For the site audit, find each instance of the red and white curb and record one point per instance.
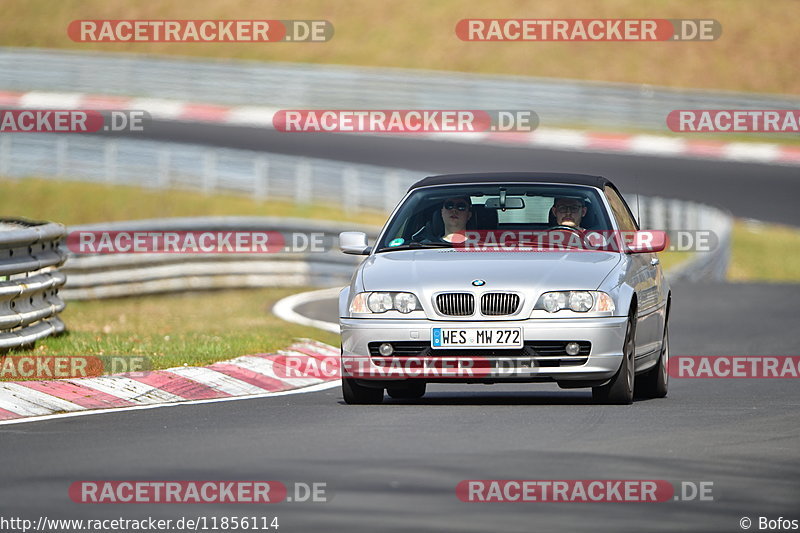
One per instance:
(249, 376)
(559, 139)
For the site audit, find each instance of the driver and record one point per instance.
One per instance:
(569, 212)
(456, 212)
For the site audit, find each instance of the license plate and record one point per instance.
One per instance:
(476, 338)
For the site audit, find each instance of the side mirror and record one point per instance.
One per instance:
(354, 243)
(645, 241)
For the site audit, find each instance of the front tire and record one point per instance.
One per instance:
(355, 394)
(655, 383)
(619, 391)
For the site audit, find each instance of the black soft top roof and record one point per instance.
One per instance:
(512, 177)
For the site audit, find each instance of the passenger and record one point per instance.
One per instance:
(456, 212)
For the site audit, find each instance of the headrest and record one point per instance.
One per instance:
(482, 218)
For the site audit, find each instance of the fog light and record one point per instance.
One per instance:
(385, 349)
(573, 348)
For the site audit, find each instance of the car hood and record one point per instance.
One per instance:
(427, 271)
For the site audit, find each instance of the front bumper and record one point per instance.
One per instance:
(606, 335)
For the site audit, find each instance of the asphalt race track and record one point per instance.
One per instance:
(394, 467)
(748, 190)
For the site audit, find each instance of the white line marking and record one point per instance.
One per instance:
(314, 388)
(160, 109)
(251, 116)
(45, 100)
(751, 151)
(559, 138)
(285, 308)
(653, 144)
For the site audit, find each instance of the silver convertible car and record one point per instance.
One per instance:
(488, 278)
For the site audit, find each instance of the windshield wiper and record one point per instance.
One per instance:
(417, 246)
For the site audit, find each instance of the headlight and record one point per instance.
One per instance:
(380, 302)
(580, 301)
(577, 301)
(405, 302)
(554, 301)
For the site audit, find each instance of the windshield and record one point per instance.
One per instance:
(431, 215)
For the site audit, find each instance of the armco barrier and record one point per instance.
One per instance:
(676, 215)
(111, 275)
(161, 165)
(294, 85)
(29, 281)
(124, 274)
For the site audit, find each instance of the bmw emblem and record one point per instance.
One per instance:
(478, 282)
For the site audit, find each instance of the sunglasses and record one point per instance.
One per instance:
(461, 206)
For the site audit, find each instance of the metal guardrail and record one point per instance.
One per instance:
(291, 85)
(113, 275)
(93, 276)
(29, 281)
(173, 165)
(676, 215)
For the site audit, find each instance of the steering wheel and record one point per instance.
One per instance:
(572, 229)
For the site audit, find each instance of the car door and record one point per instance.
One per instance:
(646, 280)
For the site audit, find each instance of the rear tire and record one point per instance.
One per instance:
(355, 394)
(412, 390)
(619, 391)
(655, 383)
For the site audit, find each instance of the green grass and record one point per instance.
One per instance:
(672, 259)
(765, 252)
(755, 52)
(172, 330)
(73, 203)
(175, 329)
